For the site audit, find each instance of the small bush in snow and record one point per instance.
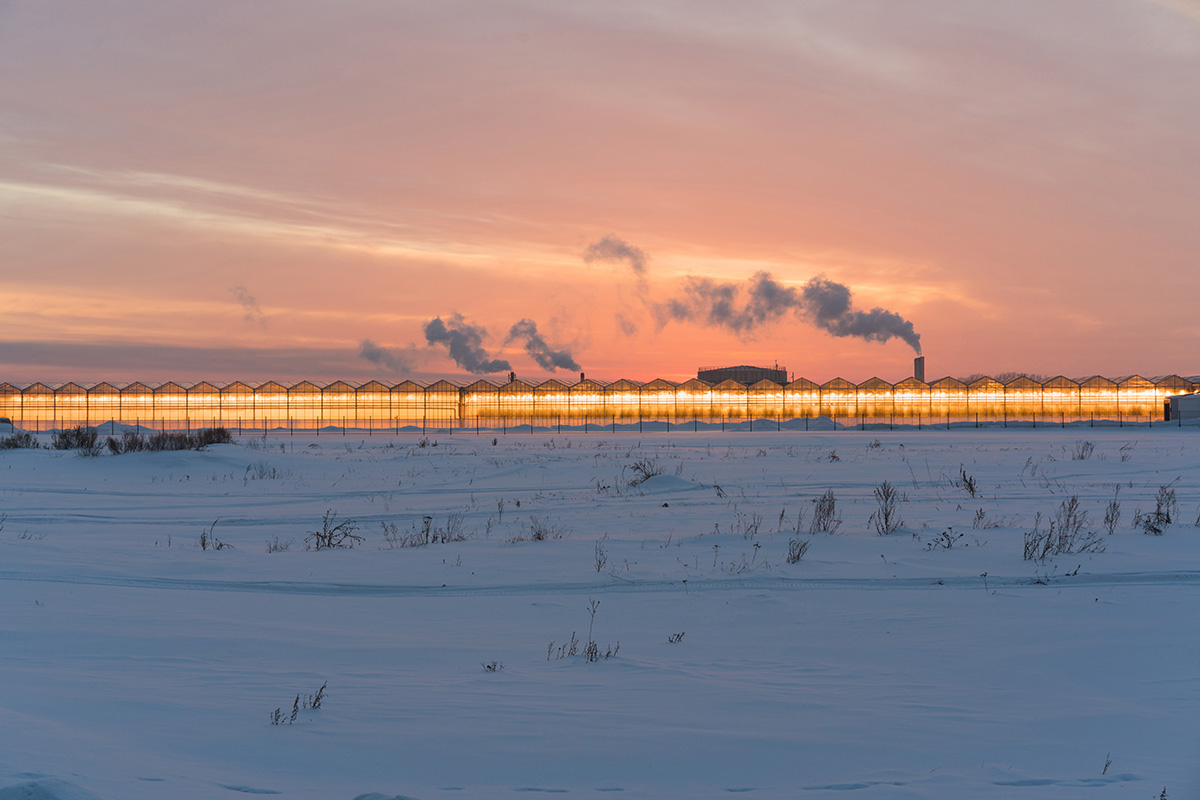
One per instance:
(540, 529)
(825, 517)
(19, 441)
(1067, 533)
(1112, 512)
(965, 482)
(643, 470)
(1082, 450)
(886, 517)
(453, 531)
(312, 701)
(78, 438)
(277, 545)
(796, 549)
(333, 534)
(208, 541)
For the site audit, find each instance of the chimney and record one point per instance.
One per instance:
(919, 368)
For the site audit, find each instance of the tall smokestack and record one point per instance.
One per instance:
(919, 368)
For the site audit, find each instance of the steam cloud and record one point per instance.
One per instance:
(465, 343)
(253, 314)
(536, 347)
(821, 302)
(391, 358)
(610, 248)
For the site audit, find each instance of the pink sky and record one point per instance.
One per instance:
(251, 191)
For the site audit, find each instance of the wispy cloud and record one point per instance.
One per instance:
(253, 313)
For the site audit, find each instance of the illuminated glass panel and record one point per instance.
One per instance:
(373, 401)
(1138, 397)
(1098, 397)
(237, 404)
(304, 405)
(839, 398)
(912, 399)
(588, 402)
(1023, 398)
(948, 399)
(271, 405)
(764, 399)
(10, 403)
(801, 398)
(408, 404)
(70, 405)
(551, 401)
(623, 399)
(441, 404)
(875, 399)
(985, 399)
(693, 400)
(729, 400)
(204, 405)
(1061, 399)
(657, 399)
(170, 406)
(480, 403)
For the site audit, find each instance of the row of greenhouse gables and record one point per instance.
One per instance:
(483, 405)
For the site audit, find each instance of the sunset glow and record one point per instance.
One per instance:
(297, 191)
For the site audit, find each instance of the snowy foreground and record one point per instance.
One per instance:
(134, 664)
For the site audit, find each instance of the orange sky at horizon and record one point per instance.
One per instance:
(287, 191)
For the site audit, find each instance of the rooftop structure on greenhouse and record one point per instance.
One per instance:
(743, 374)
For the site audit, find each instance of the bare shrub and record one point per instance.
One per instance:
(825, 517)
(136, 442)
(453, 531)
(965, 482)
(886, 517)
(302, 702)
(982, 522)
(747, 526)
(676, 638)
(643, 470)
(277, 545)
(796, 549)
(540, 529)
(208, 541)
(1066, 534)
(19, 441)
(84, 440)
(129, 442)
(1082, 450)
(944, 540)
(591, 650)
(1166, 509)
(1112, 512)
(601, 557)
(333, 534)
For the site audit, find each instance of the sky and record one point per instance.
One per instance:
(370, 189)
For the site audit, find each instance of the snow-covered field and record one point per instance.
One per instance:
(934, 662)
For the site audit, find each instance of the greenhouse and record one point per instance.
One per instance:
(444, 405)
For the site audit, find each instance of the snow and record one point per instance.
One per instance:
(136, 665)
